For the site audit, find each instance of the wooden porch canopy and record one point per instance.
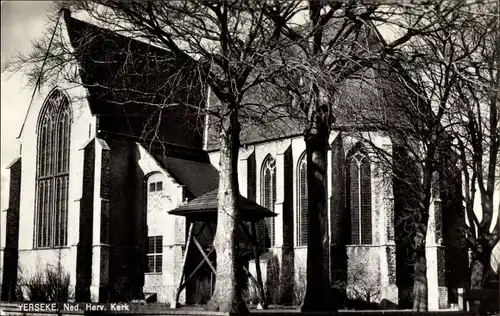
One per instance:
(204, 209)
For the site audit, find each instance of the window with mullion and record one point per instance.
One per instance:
(61, 143)
(155, 254)
(365, 202)
(354, 199)
(359, 198)
(269, 195)
(302, 219)
(53, 172)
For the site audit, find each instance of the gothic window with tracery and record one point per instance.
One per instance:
(302, 202)
(268, 196)
(52, 180)
(358, 176)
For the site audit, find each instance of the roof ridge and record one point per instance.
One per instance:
(68, 17)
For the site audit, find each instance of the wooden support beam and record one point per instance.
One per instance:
(175, 304)
(205, 257)
(196, 269)
(247, 233)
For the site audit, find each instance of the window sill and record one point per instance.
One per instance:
(153, 273)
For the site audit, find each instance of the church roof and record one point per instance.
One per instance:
(188, 167)
(373, 102)
(130, 81)
(191, 167)
(372, 98)
(136, 88)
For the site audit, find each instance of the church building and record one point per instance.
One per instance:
(99, 170)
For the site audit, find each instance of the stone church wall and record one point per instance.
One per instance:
(374, 260)
(82, 129)
(122, 168)
(9, 241)
(172, 228)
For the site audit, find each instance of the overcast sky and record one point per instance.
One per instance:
(21, 22)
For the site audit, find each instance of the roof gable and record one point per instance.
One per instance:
(190, 167)
(135, 88)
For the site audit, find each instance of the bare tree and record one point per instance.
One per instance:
(452, 74)
(335, 44)
(475, 125)
(227, 42)
(460, 80)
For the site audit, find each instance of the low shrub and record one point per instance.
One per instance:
(49, 285)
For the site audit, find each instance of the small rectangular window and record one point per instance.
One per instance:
(159, 244)
(155, 249)
(158, 263)
(159, 186)
(151, 245)
(152, 187)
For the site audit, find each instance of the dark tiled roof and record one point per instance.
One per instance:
(368, 99)
(198, 177)
(189, 166)
(130, 82)
(373, 101)
(205, 208)
(257, 122)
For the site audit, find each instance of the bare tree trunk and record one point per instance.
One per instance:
(482, 251)
(317, 295)
(256, 252)
(227, 296)
(339, 227)
(479, 268)
(420, 302)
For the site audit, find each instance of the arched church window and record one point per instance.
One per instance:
(268, 196)
(302, 202)
(359, 196)
(52, 180)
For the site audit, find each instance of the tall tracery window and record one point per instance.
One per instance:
(302, 202)
(359, 196)
(54, 127)
(268, 196)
